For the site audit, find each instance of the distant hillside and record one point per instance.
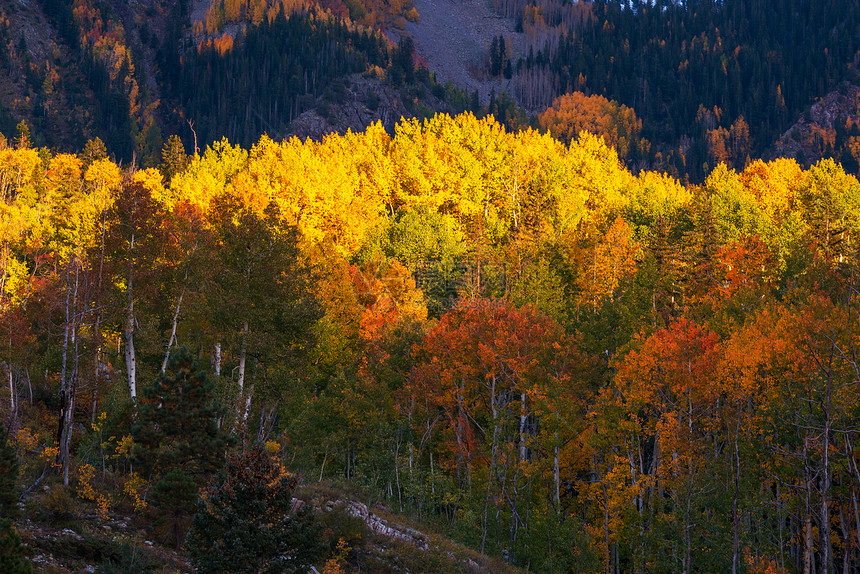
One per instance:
(830, 128)
(133, 73)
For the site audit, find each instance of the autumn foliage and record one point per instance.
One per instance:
(517, 338)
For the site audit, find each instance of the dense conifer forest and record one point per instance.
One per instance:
(712, 81)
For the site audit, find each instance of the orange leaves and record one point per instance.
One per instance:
(575, 112)
(483, 358)
(387, 292)
(672, 368)
(603, 264)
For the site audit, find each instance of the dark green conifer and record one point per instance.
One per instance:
(246, 523)
(177, 425)
(12, 559)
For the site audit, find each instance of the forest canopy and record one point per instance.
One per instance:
(514, 337)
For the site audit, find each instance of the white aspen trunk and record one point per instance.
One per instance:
(172, 340)
(433, 478)
(217, 359)
(13, 404)
(458, 431)
(128, 333)
(736, 463)
(243, 355)
(130, 357)
(606, 543)
(523, 420)
(97, 353)
(241, 409)
(97, 334)
(67, 391)
(246, 411)
(64, 391)
(856, 515)
(397, 474)
(556, 474)
(495, 410)
(809, 548)
(827, 555)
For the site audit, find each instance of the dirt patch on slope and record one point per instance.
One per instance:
(454, 37)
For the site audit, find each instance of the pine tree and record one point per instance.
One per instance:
(246, 523)
(177, 426)
(173, 157)
(12, 559)
(94, 150)
(175, 497)
(8, 476)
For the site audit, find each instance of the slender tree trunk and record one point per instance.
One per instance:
(13, 403)
(736, 461)
(826, 547)
(458, 432)
(246, 409)
(606, 542)
(397, 473)
(807, 520)
(243, 356)
(523, 420)
(846, 541)
(67, 386)
(97, 334)
(556, 475)
(130, 357)
(243, 359)
(688, 544)
(172, 339)
(216, 359)
(494, 407)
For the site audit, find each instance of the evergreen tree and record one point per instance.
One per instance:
(173, 157)
(12, 559)
(93, 150)
(177, 426)
(8, 476)
(246, 522)
(175, 497)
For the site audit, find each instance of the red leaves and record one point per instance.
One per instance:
(672, 363)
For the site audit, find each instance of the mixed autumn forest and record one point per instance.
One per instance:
(589, 334)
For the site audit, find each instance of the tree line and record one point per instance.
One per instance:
(512, 337)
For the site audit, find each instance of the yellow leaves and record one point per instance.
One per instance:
(105, 176)
(86, 472)
(15, 281)
(49, 455)
(134, 487)
(153, 181)
(99, 423)
(124, 446)
(656, 195)
(19, 169)
(595, 183)
(604, 263)
(87, 491)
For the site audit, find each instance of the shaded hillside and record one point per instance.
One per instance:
(830, 128)
(692, 70)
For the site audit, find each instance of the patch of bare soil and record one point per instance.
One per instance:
(454, 37)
